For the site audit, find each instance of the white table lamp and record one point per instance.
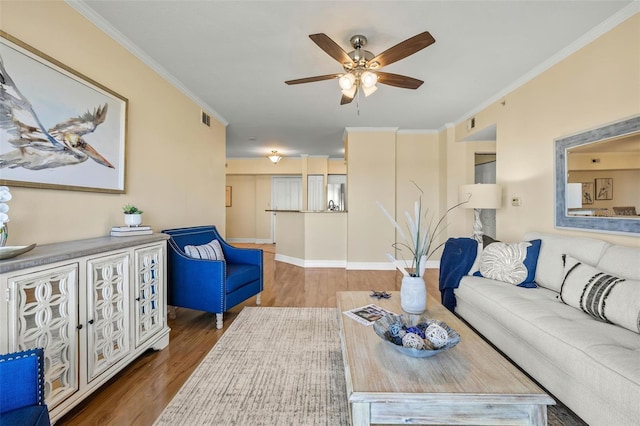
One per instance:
(480, 196)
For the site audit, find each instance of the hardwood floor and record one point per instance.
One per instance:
(138, 394)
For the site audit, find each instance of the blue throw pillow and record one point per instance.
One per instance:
(513, 263)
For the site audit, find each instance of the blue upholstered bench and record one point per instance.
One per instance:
(210, 285)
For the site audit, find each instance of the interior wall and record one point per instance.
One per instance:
(598, 84)
(371, 167)
(174, 165)
(241, 216)
(418, 158)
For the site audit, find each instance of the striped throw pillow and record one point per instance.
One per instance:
(210, 251)
(603, 296)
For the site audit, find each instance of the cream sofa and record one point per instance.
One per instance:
(593, 367)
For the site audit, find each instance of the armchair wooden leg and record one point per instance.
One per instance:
(258, 298)
(218, 321)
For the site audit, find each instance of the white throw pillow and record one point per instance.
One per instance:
(513, 263)
(210, 251)
(603, 296)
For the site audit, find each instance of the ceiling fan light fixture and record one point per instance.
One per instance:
(347, 81)
(368, 79)
(274, 157)
(369, 90)
(350, 93)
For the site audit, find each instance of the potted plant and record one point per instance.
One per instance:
(419, 243)
(132, 215)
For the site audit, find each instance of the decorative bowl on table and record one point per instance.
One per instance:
(8, 252)
(418, 338)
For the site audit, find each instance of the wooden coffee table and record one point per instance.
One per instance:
(469, 384)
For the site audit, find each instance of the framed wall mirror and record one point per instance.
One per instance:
(604, 165)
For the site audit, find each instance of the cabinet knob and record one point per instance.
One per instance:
(79, 327)
(137, 299)
(90, 321)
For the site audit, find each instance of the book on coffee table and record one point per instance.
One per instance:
(367, 315)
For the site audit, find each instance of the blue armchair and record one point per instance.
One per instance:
(211, 285)
(22, 389)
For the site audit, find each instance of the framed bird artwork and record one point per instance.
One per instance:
(58, 128)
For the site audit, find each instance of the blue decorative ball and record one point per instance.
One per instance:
(394, 329)
(416, 330)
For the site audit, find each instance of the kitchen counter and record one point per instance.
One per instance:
(311, 239)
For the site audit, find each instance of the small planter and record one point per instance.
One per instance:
(133, 219)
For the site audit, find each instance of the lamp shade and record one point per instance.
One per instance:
(481, 196)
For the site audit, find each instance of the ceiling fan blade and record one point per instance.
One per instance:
(397, 80)
(312, 79)
(331, 48)
(404, 49)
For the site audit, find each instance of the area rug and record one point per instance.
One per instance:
(277, 366)
(273, 366)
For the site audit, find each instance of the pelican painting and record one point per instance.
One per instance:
(37, 148)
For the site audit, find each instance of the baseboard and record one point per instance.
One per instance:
(310, 263)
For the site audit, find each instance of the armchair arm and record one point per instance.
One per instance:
(233, 254)
(21, 380)
(195, 283)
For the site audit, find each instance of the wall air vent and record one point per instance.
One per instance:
(206, 119)
(471, 124)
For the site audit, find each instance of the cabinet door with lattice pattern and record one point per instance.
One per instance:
(108, 317)
(43, 313)
(149, 292)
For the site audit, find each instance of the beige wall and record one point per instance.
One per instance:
(174, 164)
(371, 170)
(597, 85)
(418, 158)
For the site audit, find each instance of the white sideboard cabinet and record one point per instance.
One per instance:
(94, 306)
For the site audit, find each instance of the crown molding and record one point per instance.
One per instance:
(82, 8)
(371, 129)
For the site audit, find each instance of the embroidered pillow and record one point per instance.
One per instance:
(603, 296)
(513, 263)
(209, 251)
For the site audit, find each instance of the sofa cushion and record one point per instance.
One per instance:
(513, 263)
(210, 251)
(621, 261)
(550, 268)
(603, 296)
(240, 274)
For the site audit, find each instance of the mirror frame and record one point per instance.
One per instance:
(595, 224)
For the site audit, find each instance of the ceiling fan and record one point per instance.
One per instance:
(361, 66)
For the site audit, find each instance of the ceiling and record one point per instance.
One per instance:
(232, 57)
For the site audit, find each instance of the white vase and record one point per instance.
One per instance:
(413, 295)
(133, 219)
